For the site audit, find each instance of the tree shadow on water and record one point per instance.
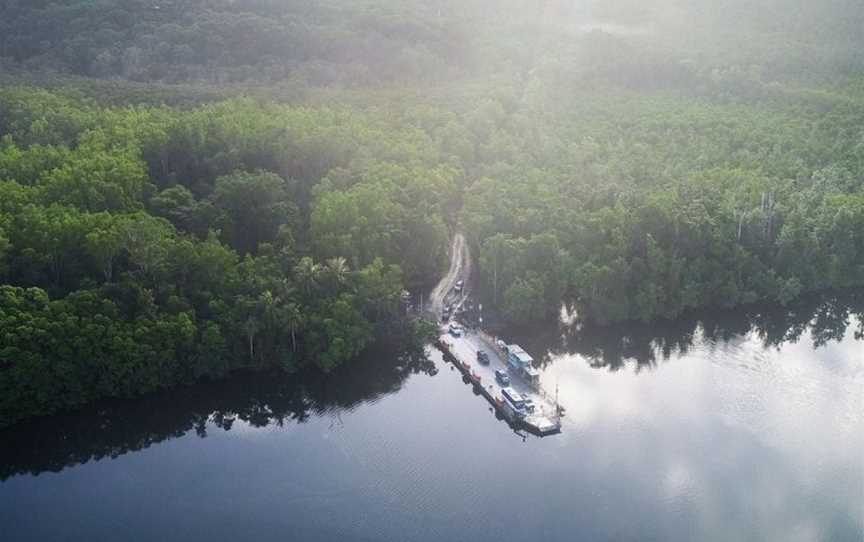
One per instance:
(111, 428)
(828, 317)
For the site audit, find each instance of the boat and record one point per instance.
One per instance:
(509, 382)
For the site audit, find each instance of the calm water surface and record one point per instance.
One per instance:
(737, 426)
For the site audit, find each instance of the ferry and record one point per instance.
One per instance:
(504, 374)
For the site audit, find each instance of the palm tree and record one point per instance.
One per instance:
(251, 327)
(307, 273)
(285, 290)
(337, 270)
(270, 305)
(294, 318)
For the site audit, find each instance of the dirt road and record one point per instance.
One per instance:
(460, 269)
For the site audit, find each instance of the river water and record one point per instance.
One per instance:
(747, 425)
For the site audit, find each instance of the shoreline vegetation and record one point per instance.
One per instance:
(111, 428)
(176, 203)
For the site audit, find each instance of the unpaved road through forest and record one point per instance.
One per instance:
(460, 269)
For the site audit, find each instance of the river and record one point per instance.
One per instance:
(742, 425)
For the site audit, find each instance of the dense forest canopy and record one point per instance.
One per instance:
(351, 43)
(633, 159)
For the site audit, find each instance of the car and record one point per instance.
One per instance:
(456, 329)
(502, 377)
(482, 357)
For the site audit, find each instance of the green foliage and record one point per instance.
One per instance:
(628, 170)
(222, 41)
(217, 270)
(62, 353)
(687, 205)
(737, 45)
(390, 211)
(254, 206)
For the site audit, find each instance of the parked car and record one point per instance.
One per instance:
(502, 377)
(482, 357)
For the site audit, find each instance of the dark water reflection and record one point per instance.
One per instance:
(112, 428)
(735, 425)
(824, 318)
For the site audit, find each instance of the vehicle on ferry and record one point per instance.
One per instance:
(514, 400)
(522, 364)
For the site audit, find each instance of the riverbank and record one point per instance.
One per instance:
(711, 429)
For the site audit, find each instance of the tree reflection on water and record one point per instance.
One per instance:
(827, 317)
(113, 428)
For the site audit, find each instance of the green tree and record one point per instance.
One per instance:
(104, 245)
(255, 206)
(307, 274)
